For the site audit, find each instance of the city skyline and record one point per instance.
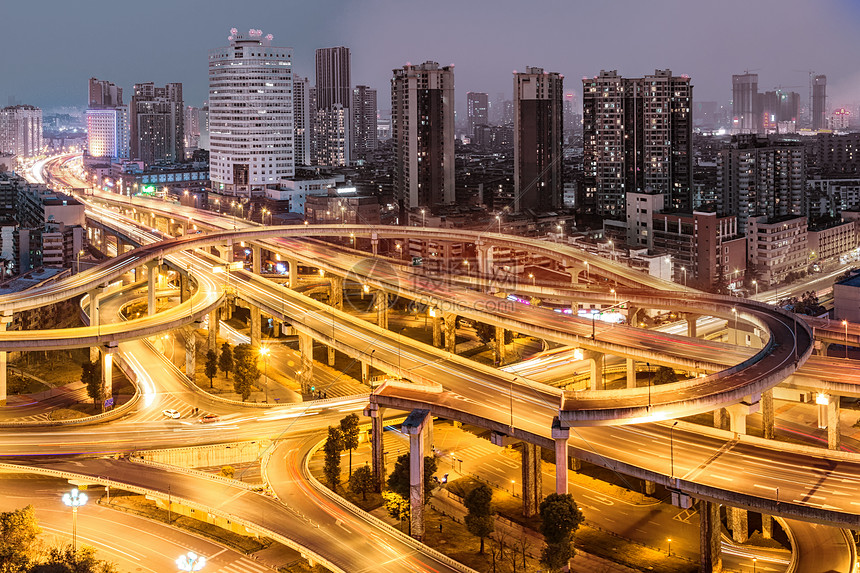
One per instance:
(474, 38)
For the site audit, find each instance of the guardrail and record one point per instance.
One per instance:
(194, 473)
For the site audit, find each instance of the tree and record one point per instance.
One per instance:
(225, 361)
(560, 518)
(361, 481)
(91, 376)
(665, 375)
(64, 560)
(333, 447)
(398, 481)
(245, 367)
(396, 506)
(350, 428)
(227, 472)
(479, 519)
(18, 533)
(211, 368)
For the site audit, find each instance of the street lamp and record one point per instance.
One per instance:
(532, 277)
(81, 252)
(399, 248)
(74, 499)
(754, 560)
(422, 217)
(499, 220)
(735, 312)
(615, 294)
(845, 324)
(685, 276)
(612, 246)
(669, 540)
(672, 451)
(264, 352)
(755, 283)
(466, 263)
(190, 562)
(586, 270)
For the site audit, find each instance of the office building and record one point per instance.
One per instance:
(107, 121)
(250, 114)
(758, 177)
(333, 120)
(191, 127)
(637, 137)
(302, 127)
(477, 109)
(156, 123)
(363, 121)
(819, 102)
(21, 130)
(538, 138)
(745, 103)
(422, 127)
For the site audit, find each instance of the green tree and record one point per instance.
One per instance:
(225, 361)
(560, 518)
(349, 426)
(18, 534)
(64, 560)
(245, 367)
(227, 472)
(398, 481)
(91, 376)
(479, 519)
(332, 448)
(665, 375)
(361, 481)
(396, 506)
(211, 368)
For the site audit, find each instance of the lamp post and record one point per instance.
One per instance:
(735, 312)
(264, 352)
(190, 562)
(612, 246)
(669, 540)
(422, 217)
(74, 499)
(81, 252)
(754, 560)
(499, 221)
(586, 270)
(685, 276)
(615, 294)
(845, 324)
(672, 451)
(399, 248)
(755, 284)
(532, 277)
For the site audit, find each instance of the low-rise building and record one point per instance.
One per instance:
(342, 205)
(832, 240)
(777, 247)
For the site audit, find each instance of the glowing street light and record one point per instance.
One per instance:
(190, 562)
(755, 283)
(615, 294)
(422, 218)
(845, 324)
(75, 499)
(532, 277)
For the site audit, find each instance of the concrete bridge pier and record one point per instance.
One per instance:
(5, 321)
(822, 347)
(767, 526)
(828, 417)
(190, 351)
(256, 259)
(631, 373)
(306, 351)
(365, 372)
(437, 328)
(336, 296)
(738, 416)
(380, 303)
(107, 352)
(532, 479)
(374, 245)
(449, 323)
(256, 325)
(94, 300)
(768, 414)
(214, 326)
(330, 357)
(376, 413)
(499, 345)
(561, 437)
(184, 287)
(151, 286)
(595, 361)
(633, 315)
(691, 325)
(294, 273)
(710, 549)
(484, 254)
(738, 522)
(415, 426)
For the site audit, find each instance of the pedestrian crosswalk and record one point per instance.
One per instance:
(244, 565)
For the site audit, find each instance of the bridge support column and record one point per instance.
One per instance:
(531, 479)
(107, 370)
(561, 437)
(294, 273)
(374, 246)
(376, 413)
(691, 325)
(151, 286)
(256, 259)
(380, 302)
(365, 372)
(306, 351)
(500, 345)
(822, 347)
(94, 299)
(711, 560)
(828, 416)
(631, 373)
(256, 320)
(190, 351)
(415, 426)
(214, 326)
(450, 329)
(738, 416)
(5, 321)
(721, 421)
(633, 316)
(767, 526)
(574, 274)
(336, 296)
(738, 523)
(184, 287)
(595, 361)
(768, 414)
(574, 464)
(330, 356)
(650, 487)
(484, 254)
(437, 329)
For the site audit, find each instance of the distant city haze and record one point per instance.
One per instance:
(52, 47)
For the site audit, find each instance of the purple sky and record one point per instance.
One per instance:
(53, 46)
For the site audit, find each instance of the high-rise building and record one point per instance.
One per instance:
(191, 125)
(758, 177)
(302, 128)
(363, 121)
(779, 111)
(819, 102)
(637, 136)
(21, 130)
(250, 114)
(333, 119)
(156, 123)
(107, 121)
(477, 109)
(569, 115)
(422, 126)
(204, 125)
(538, 138)
(745, 109)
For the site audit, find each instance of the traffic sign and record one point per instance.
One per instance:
(417, 261)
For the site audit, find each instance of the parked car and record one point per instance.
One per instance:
(170, 413)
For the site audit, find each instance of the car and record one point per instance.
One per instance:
(171, 413)
(209, 418)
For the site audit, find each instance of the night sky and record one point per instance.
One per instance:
(51, 47)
